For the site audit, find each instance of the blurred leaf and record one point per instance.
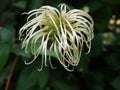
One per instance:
(83, 65)
(11, 19)
(4, 75)
(21, 52)
(6, 35)
(4, 54)
(116, 83)
(108, 38)
(20, 4)
(63, 84)
(31, 77)
(42, 78)
(51, 53)
(62, 80)
(35, 4)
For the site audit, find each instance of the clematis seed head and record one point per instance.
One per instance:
(62, 30)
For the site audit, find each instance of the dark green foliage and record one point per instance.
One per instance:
(30, 78)
(98, 70)
(4, 54)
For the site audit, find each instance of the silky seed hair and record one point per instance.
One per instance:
(62, 30)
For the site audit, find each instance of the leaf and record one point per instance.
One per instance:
(83, 65)
(11, 19)
(61, 80)
(116, 83)
(6, 35)
(43, 78)
(21, 52)
(49, 52)
(64, 85)
(20, 4)
(4, 54)
(30, 77)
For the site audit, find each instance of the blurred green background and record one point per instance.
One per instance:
(98, 70)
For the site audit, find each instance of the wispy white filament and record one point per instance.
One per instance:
(63, 31)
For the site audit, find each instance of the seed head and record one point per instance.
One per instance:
(62, 30)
